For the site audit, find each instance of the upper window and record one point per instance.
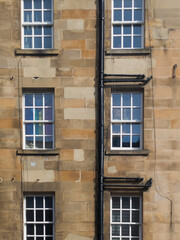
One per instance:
(127, 24)
(39, 217)
(38, 120)
(126, 121)
(37, 24)
(126, 218)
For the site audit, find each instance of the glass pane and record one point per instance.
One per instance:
(134, 230)
(116, 99)
(117, 114)
(37, 30)
(137, 15)
(115, 128)
(49, 229)
(30, 229)
(39, 229)
(48, 129)
(39, 142)
(126, 99)
(47, 42)
(126, 141)
(48, 202)
(30, 215)
(38, 114)
(136, 141)
(116, 42)
(116, 216)
(135, 216)
(126, 128)
(127, 15)
(28, 99)
(137, 114)
(27, 4)
(30, 238)
(38, 100)
(125, 216)
(39, 215)
(39, 238)
(137, 42)
(125, 230)
(115, 230)
(27, 30)
(116, 141)
(29, 142)
(29, 202)
(125, 202)
(47, 16)
(127, 29)
(28, 16)
(29, 114)
(49, 215)
(115, 238)
(29, 129)
(135, 202)
(37, 42)
(27, 42)
(138, 3)
(126, 114)
(117, 3)
(39, 129)
(136, 128)
(117, 15)
(48, 114)
(127, 42)
(47, 4)
(126, 238)
(39, 202)
(127, 3)
(48, 142)
(136, 99)
(48, 99)
(117, 30)
(137, 29)
(37, 4)
(49, 238)
(116, 202)
(47, 30)
(37, 16)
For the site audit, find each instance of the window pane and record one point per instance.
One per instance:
(27, 30)
(27, 4)
(117, 30)
(28, 16)
(30, 229)
(30, 215)
(49, 238)
(116, 202)
(49, 215)
(38, 100)
(135, 216)
(125, 216)
(27, 42)
(47, 42)
(137, 15)
(126, 99)
(116, 141)
(47, 16)
(39, 215)
(127, 29)
(138, 3)
(125, 202)
(116, 99)
(48, 142)
(39, 129)
(116, 216)
(115, 128)
(115, 230)
(29, 202)
(37, 30)
(30, 238)
(126, 114)
(136, 141)
(39, 202)
(39, 229)
(29, 142)
(29, 114)
(47, 30)
(29, 129)
(116, 42)
(137, 114)
(37, 4)
(127, 15)
(48, 202)
(37, 42)
(136, 99)
(125, 230)
(134, 230)
(28, 100)
(48, 99)
(126, 141)
(48, 114)
(37, 16)
(127, 42)
(47, 4)
(126, 128)
(137, 42)
(38, 114)
(48, 129)
(117, 15)
(127, 3)
(136, 128)
(135, 202)
(137, 29)
(117, 3)
(39, 142)
(39, 238)
(117, 114)
(49, 229)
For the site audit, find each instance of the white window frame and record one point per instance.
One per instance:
(38, 121)
(123, 23)
(38, 222)
(34, 24)
(131, 122)
(130, 223)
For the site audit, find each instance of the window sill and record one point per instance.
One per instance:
(124, 52)
(144, 152)
(33, 52)
(37, 152)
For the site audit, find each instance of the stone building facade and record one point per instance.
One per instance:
(49, 120)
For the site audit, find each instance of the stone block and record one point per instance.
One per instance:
(70, 176)
(71, 103)
(73, 44)
(39, 72)
(78, 133)
(79, 113)
(67, 154)
(79, 92)
(75, 24)
(79, 155)
(78, 14)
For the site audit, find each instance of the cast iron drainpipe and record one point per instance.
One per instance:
(101, 118)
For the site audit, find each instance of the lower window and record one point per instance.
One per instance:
(39, 217)
(126, 218)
